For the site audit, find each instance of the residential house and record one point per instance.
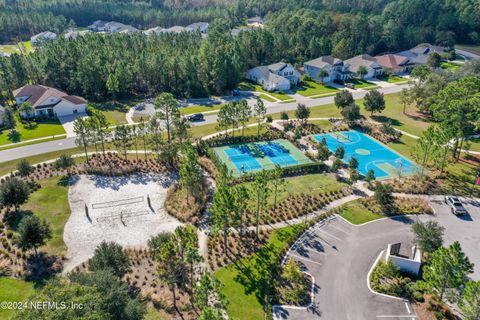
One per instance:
(336, 69)
(43, 37)
(256, 22)
(177, 29)
(419, 54)
(47, 101)
(367, 61)
(2, 114)
(396, 63)
(98, 26)
(127, 29)
(155, 30)
(278, 76)
(200, 26)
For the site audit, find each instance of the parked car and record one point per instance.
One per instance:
(149, 100)
(235, 92)
(140, 106)
(350, 85)
(195, 117)
(455, 205)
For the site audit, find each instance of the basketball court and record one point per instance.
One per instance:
(370, 153)
(127, 210)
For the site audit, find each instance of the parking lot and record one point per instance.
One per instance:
(465, 228)
(340, 256)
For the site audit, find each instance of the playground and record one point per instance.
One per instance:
(251, 157)
(127, 210)
(371, 154)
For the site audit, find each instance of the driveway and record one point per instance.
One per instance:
(465, 229)
(67, 123)
(340, 256)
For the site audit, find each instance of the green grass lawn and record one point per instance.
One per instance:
(245, 279)
(249, 86)
(309, 184)
(361, 84)
(268, 98)
(50, 202)
(475, 144)
(449, 66)
(393, 112)
(355, 213)
(115, 117)
(322, 124)
(199, 109)
(313, 88)
(25, 46)
(393, 78)
(43, 129)
(13, 290)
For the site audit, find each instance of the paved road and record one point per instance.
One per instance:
(44, 147)
(340, 256)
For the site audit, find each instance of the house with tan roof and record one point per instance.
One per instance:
(397, 63)
(336, 69)
(278, 76)
(49, 102)
(367, 61)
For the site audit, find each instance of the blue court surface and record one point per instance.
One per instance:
(255, 156)
(371, 154)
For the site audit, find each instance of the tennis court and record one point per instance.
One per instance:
(371, 154)
(251, 157)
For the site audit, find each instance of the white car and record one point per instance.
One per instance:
(455, 205)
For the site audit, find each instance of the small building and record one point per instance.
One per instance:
(278, 76)
(200, 26)
(43, 37)
(367, 61)
(256, 22)
(49, 102)
(396, 63)
(336, 69)
(406, 263)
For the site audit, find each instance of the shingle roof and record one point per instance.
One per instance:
(38, 93)
(275, 67)
(197, 25)
(365, 60)
(392, 61)
(323, 62)
(256, 19)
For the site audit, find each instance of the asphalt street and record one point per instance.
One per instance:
(62, 144)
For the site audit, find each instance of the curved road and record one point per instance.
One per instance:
(62, 144)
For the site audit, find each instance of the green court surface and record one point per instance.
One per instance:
(251, 157)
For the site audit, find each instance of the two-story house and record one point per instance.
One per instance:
(278, 76)
(396, 63)
(367, 61)
(336, 69)
(49, 102)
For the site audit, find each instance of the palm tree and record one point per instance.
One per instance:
(322, 74)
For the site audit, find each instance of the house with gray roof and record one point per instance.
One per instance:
(154, 30)
(419, 54)
(278, 76)
(367, 61)
(336, 69)
(200, 26)
(43, 37)
(256, 22)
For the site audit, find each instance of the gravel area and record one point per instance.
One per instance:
(118, 211)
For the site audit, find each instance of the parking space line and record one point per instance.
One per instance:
(331, 236)
(305, 259)
(336, 228)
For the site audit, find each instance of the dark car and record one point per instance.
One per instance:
(195, 117)
(235, 92)
(456, 206)
(350, 85)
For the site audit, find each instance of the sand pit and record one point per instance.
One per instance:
(118, 210)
